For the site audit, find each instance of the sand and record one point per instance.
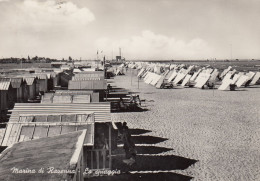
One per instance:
(218, 131)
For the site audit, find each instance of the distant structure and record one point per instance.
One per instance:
(120, 58)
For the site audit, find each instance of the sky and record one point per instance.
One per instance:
(143, 29)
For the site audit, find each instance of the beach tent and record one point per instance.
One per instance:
(181, 74)
(169, 74)
(149, 78)
(250, 76)
(235, 78)
(141, 72)
(160, 81)
(172, 66)
(202, 80)
(119, 72)
(225, 72)
(194, 76)
(146, 72)
(225, 84)
(186, 80)
(209, 70)
(157, 69)
(227, 77)
(214, 75)
(156, 79)
(255, 78)
(200, 75)
(153, 78)
(173, 75)
(242, 80)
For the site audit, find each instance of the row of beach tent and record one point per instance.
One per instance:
(194, 76)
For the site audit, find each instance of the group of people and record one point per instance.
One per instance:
(133, 104)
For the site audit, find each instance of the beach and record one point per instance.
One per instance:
(214, 134)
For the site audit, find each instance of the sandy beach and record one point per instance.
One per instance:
(214, 134)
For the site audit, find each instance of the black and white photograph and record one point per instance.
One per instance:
(129, 90)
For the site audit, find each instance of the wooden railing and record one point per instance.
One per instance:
(98, 159)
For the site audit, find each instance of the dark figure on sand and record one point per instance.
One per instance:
(129, 146)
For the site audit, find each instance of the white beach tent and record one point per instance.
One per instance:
(235, 78)
(155, 79)
(149, 78)
(141, 72)
(255, 78)
(194, 76)
(250, 75)
(181, 74)
(146, 75)
(225, 85)
(209, 70)
(173, 75)
(213, 75)
(172, 66)
(202, 80)
(225, 71)
(242, 79)
(200, 75)
(146, 72)
(157, 69)
(227, 77)
(159, 83)
(186, 80)
(169, 74)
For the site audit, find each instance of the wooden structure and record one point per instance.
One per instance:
(34, 126)
(31, 156)
(97, 157)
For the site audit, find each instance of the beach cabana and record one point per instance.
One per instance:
(33, 126)
(61, 99)
(94, 96)
(102, 114)
(62, 153)
(4, 87)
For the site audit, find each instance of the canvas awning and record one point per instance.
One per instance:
(16, 82)
(29, 80)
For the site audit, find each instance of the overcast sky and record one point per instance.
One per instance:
(144, 29)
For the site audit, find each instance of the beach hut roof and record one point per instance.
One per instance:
(60, 152)
(4, 83)
(34, 126)
(61, 99)
(101, 110)
(88, 85)
(73, 92)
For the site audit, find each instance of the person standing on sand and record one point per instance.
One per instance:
(129, 146)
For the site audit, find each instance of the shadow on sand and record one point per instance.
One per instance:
(153, 163)
(147, 139)
(144, 177)
(138, 131)
(145, 150)
(130, 110)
